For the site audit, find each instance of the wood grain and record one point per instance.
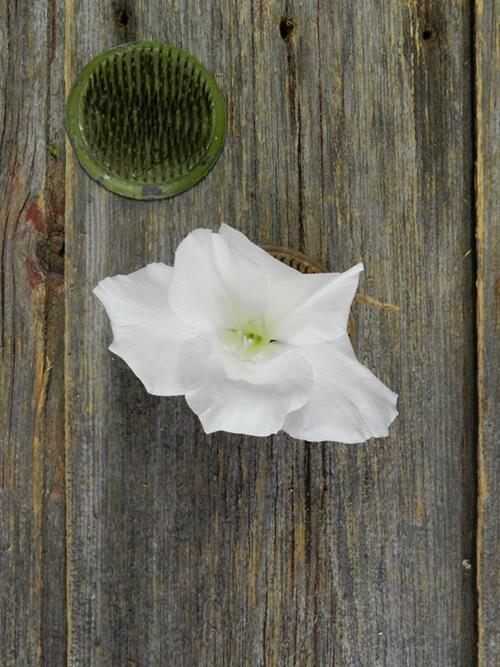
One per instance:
(32, 507)
(353, 129)
(349, 138)
(487, 56)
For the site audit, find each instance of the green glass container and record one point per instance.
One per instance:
(146, 120)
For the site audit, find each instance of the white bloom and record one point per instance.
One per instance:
(254, 345)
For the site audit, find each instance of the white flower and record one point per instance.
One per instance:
(254, 345)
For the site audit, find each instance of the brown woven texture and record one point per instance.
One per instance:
(295, 259)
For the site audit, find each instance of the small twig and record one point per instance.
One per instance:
(391, 307)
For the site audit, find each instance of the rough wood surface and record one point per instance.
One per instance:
(487, 57)
(349, 138)
(136, 540)
(32, 508)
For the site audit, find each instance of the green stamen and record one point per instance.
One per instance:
(245, 343)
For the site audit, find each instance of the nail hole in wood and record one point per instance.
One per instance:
(427, 34)
(123, 18)
(287, 27)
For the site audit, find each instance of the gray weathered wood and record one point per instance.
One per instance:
(350, 139)
(32, 508)
(188, 550)
(488, 329)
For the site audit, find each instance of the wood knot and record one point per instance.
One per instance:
(123, 18)
(122, 15)
(287, 28)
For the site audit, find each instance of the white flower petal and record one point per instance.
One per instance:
(274, 267)
(302, 308)
(312, 308)
(252, 398)
(348, 402)
(146, 333)
(213, 286)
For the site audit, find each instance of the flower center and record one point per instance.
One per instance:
(246, 343)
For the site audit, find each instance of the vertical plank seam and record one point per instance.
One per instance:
(478, 246)
(68, 208)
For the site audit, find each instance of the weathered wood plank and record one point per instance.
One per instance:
(488, 290)
(32, 508)
(349, 138)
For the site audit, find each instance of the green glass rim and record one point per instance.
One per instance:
(75, 127)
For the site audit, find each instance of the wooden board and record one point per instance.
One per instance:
(32, 507)
(136, 540)
(348, 141)
(487, 89)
